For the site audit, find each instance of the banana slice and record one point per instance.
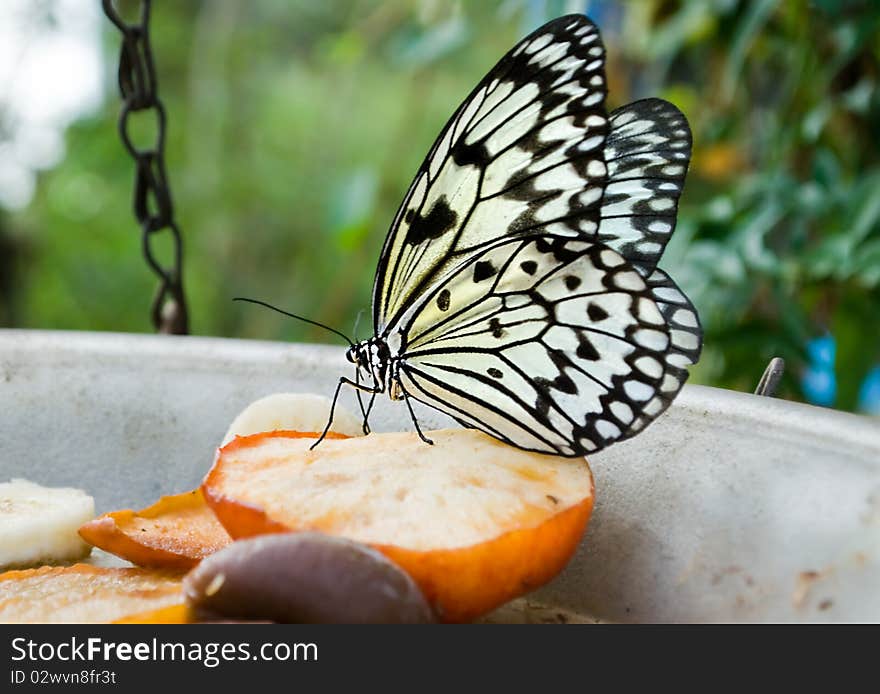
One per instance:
(39, 524)
(294, 411)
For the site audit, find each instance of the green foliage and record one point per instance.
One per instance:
(295, 129)
(782, 211)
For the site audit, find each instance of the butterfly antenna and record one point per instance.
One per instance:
(293, 315)
(357, 322)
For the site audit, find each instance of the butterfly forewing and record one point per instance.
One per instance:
(522, 155)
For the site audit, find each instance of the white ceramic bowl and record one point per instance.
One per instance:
(731, 507)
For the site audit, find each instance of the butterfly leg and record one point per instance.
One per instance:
(416, 421)
(365, 412)
(342, 381)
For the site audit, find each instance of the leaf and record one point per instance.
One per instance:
(756, 16)
(857, 331)
(352, 207)
(415, 48)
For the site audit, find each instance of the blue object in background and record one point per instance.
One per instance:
(869, 393)
(819, 382)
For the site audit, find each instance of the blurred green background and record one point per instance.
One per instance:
(296, 127)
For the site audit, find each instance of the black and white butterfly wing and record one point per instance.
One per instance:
(646, 155)
(685, 344)
(522, 155)
(553, 344)
(518, 285)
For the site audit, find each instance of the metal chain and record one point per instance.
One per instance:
(153, 206)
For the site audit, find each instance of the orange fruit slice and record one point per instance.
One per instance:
(474, 521)
(84, 594)
(176, 532)
(173, 614)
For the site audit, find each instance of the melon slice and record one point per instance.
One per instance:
(474, 521)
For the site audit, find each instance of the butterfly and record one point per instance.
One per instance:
(518, 288)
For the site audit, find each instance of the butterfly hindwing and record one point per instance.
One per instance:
(646, 155)
(553, 344)
(685, 344)
(522, 155)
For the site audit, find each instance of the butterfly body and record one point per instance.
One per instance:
(376, 358)
(518, 288)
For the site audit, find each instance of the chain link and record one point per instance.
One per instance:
(153, 206)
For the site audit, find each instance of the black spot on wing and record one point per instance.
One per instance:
(562, 382)
(557, 245)
(443, 300)
(470, 155)
(494, 373)
(529, 266)
(572, 282)
(596, 312)
(585, 349)
(483, 270)
(495, 326)
(543, 400)
(439, 220)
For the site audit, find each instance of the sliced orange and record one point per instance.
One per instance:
(84, 594)
(173, 614)
(474, 521)
(176, 532)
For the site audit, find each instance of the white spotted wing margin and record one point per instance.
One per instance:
(553, 344)
(646, 154)
(685, 345)
(522, 155)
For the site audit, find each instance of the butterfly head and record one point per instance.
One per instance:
(373, 357)
(359, 355)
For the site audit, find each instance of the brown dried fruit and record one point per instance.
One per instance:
(305, 578)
